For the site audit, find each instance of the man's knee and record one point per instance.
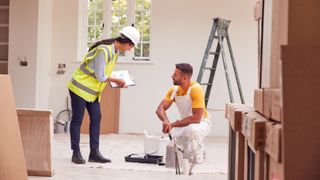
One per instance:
(193, 130)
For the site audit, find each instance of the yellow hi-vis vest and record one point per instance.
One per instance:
(83, 82)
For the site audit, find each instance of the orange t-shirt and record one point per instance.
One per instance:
(196, 95)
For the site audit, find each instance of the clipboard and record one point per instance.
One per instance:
(122, 74)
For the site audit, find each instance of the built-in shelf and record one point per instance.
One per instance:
(4, 25)
(4, 7)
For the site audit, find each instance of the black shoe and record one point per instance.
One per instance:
(95, 156)
(77, 158)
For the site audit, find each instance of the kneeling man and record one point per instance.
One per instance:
(194, 124)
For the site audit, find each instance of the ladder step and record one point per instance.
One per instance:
(217, 37)
(205, 84)
(211, 69)
(214, 53)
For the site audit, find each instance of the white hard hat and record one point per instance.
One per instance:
(131, 33)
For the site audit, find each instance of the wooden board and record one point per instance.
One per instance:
(240, 146)
(301, 125)
(275, 34)
(110, 102)
(37, 133)
(12, 160)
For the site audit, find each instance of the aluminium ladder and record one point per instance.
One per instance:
(219, 31)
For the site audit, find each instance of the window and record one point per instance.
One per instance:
(142, 22)
(106, 17)
(95, 21)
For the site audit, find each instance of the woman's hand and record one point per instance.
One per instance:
(121, 83)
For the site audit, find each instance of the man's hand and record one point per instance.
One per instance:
(166, 126)
(161, 112)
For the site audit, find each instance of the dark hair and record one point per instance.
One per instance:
(122, 39)
(185, 68)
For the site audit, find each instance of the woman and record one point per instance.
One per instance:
(86, 85)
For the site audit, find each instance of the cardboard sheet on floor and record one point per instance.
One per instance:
(12, 160)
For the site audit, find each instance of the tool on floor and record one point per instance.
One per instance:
(219, 31)
(190, 169)
(176, 162)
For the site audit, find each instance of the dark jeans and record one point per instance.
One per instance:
(78, 105)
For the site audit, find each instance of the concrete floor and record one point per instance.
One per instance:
(116, 147)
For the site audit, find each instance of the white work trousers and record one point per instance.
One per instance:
(190, 138)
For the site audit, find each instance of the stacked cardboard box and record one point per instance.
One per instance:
(254, 130)
(273, 149)
(234, 114)
(268, 104)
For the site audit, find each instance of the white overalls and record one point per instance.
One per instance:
(190, 138)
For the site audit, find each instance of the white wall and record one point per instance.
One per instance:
(64, 50)
(44, 54)
(23, 29)
(180, 30)
(30, 39)
(179, 33)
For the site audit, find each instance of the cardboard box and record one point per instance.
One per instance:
(275, 170)
(273, 140)
(254, 129)
(228, 107)
(258, 100)
(301, 99)
(276, 105)
(236, 113)
(267, 102)
(110, 104)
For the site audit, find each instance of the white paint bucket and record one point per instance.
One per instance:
(155, 145)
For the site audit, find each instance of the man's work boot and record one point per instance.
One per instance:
(77, 157)
(95, 156)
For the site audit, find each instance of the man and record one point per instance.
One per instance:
(189, 131)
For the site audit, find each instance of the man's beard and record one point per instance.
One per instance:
(176, 83)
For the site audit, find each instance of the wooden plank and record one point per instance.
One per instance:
(40, 173)
(246, 161)
(37, 133)
(12, 160)
(240, 150)
(259, 159)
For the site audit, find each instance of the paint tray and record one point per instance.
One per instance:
(143, 158)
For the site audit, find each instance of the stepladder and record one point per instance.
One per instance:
(215, 47)
(214, 50)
